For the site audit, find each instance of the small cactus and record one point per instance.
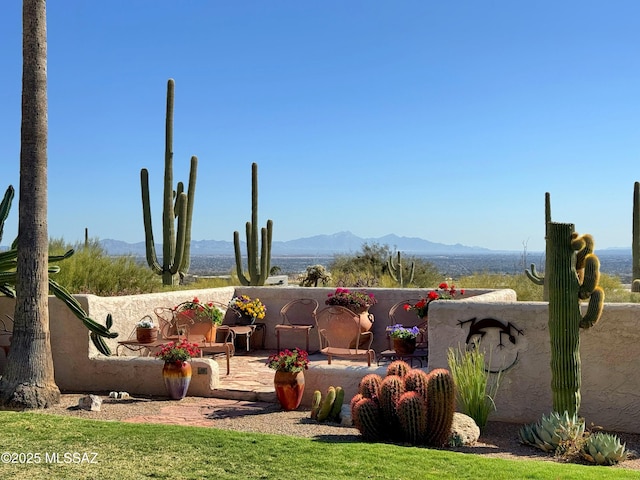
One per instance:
(327, 404)
(441, 401)
(391, 390)
(336, 408)
(315, 404)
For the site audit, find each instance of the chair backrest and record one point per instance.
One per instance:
(408, 318)
(338, 326)
(301, 311)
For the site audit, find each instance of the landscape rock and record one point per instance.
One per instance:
(464, 430)
(92, 403)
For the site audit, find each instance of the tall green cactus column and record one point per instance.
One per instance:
(176, 245)
(635, 243)
(573, 274)
(258, 268)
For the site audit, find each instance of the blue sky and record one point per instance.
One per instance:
(442, 120)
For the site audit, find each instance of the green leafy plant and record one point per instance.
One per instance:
(295, 360)
(476, 388)
(174, 352)
(357, 299)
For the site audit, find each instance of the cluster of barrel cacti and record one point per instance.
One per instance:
(407, 405)
(327, 409)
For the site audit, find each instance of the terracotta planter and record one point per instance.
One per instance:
(289, 388)
(365, 325)
(210, 335)
(177, 376)
(404, 346)
(146, 335)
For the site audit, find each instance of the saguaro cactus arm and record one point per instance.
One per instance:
(533, 275)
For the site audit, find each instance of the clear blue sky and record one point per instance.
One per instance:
(442, 120)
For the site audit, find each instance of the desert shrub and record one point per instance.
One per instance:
(91, 270)
(525, 289)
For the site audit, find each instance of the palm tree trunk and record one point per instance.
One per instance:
(28, 380)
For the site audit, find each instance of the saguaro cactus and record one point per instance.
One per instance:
(533, 275)
(635, 243)
(573, 274)
(258, 270)
(176, 245)
(395, 270)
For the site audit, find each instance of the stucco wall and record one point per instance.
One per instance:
(609, 354)
(609, 351)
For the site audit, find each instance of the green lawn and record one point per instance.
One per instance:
(138, 451)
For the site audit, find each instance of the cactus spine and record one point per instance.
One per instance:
(573, 276)
(635, 243)
(395, 270)
(258, 271)
(176, 244)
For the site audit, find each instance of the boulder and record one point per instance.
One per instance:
(90, 402)
(464, 430)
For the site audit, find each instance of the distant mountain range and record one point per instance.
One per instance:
(341, 242)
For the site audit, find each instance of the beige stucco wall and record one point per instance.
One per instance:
(609, 351)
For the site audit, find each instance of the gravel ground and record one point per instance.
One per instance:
(499, 439)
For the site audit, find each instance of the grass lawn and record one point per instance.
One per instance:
(138, 451)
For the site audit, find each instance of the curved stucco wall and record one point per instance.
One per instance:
(610, 351)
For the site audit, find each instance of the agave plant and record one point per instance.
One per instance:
(8, 263)
(603, 449)
(552, 431)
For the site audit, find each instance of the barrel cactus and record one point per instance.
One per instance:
(415, 407)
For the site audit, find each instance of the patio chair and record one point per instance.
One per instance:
(338, 329)
(408, 318)
(223, 343)
(298, 316)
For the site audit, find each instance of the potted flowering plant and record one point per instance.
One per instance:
(287, 360)
(289, 377)
(251, 309)
(357, 301)
(146, 330)
(177, 370)
(178, 352)
(201, 311)
(404, 338)
(443, 292)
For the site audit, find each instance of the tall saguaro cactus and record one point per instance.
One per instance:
(258, 269)
(573, 275)
(533, 275)
(176, 244)
(395, 270)
(635, 243)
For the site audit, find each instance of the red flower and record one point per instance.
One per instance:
(432, 296)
